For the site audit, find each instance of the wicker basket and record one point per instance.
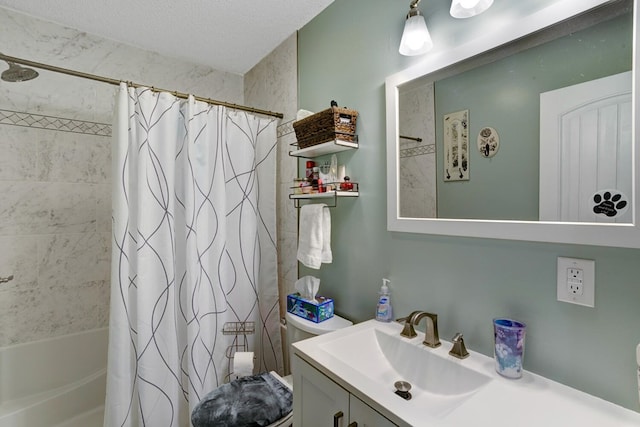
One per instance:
(332, 123)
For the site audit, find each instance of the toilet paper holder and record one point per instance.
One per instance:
(240, 344)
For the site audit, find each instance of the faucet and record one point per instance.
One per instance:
(431, 338)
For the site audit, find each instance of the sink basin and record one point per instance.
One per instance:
(391, 358)
(376, 352)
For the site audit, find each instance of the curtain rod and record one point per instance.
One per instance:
(116, 82)
(412, 138)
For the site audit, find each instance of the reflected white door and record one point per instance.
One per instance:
(585, 151)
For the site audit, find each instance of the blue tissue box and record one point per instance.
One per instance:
(317, 310)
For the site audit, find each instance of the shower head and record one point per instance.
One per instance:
(17, 73)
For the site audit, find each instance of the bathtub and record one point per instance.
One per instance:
(56, 382)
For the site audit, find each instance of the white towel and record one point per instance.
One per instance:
(314, 236)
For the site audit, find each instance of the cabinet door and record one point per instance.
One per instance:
(317, 401)
(362, 415)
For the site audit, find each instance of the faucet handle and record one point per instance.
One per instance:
(408, 331)
(459, 350)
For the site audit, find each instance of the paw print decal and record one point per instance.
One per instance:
(610, 203)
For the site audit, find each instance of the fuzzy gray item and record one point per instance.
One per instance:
(254, 401)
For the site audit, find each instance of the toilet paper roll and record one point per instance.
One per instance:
(242, 364)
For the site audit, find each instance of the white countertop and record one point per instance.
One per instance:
(529, 401)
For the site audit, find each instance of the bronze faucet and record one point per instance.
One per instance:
(431, 337)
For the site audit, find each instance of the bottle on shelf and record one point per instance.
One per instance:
(346, 185)
(309, 171)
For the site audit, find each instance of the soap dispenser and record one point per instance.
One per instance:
(384, 311)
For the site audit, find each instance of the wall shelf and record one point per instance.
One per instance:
(328, 147)
(334, 195)
(334, 146)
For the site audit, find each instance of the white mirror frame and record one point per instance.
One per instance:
(617, 235)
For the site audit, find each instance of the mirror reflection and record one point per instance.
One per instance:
(537, 130)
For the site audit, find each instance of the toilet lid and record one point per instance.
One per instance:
(259, 399)
(329, 325)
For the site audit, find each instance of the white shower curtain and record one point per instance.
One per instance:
(193, 248)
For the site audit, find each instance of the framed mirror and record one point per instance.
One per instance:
(524, 134)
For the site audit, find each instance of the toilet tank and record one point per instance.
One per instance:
(299, 329)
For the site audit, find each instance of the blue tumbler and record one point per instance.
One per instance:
(509, 346)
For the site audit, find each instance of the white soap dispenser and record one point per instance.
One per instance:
(384, 310)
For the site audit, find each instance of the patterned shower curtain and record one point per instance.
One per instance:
(193, 249)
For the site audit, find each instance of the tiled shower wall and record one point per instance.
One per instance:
(54, 232)
(418, 159)
(55, 208)
(272, 85)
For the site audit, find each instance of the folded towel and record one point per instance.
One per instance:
(258, 400)
(303, 114)
(314, 236)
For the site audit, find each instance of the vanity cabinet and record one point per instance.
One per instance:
(365, 416)
(320, 402)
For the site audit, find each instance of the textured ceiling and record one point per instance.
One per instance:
(228, 35)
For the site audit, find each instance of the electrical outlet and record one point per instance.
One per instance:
(576, 281)
(575, 277)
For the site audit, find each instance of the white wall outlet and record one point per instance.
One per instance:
(575, 278)
(576, 281)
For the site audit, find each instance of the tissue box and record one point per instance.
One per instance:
(317, 311)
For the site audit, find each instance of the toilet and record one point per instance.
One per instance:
(297, 329)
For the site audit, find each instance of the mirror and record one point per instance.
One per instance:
(472, 136)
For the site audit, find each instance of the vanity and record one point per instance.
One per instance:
(346, 378)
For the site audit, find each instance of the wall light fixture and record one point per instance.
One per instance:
(416, 39)
(469, 8)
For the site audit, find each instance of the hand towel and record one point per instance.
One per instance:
(314, 235)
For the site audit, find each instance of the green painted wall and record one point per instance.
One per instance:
(345, 54)
(506, 96)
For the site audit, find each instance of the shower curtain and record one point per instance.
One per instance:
(193, 248)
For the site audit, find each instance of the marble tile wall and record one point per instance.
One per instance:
(55, 202)
(417, 159)
(54, 232)
(71, 97)
(272, 85)
(417, 175)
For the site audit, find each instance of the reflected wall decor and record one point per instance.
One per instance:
(456, 146)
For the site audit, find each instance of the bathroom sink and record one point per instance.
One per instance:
(368, 358)
(377, 356)
(391, 358)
